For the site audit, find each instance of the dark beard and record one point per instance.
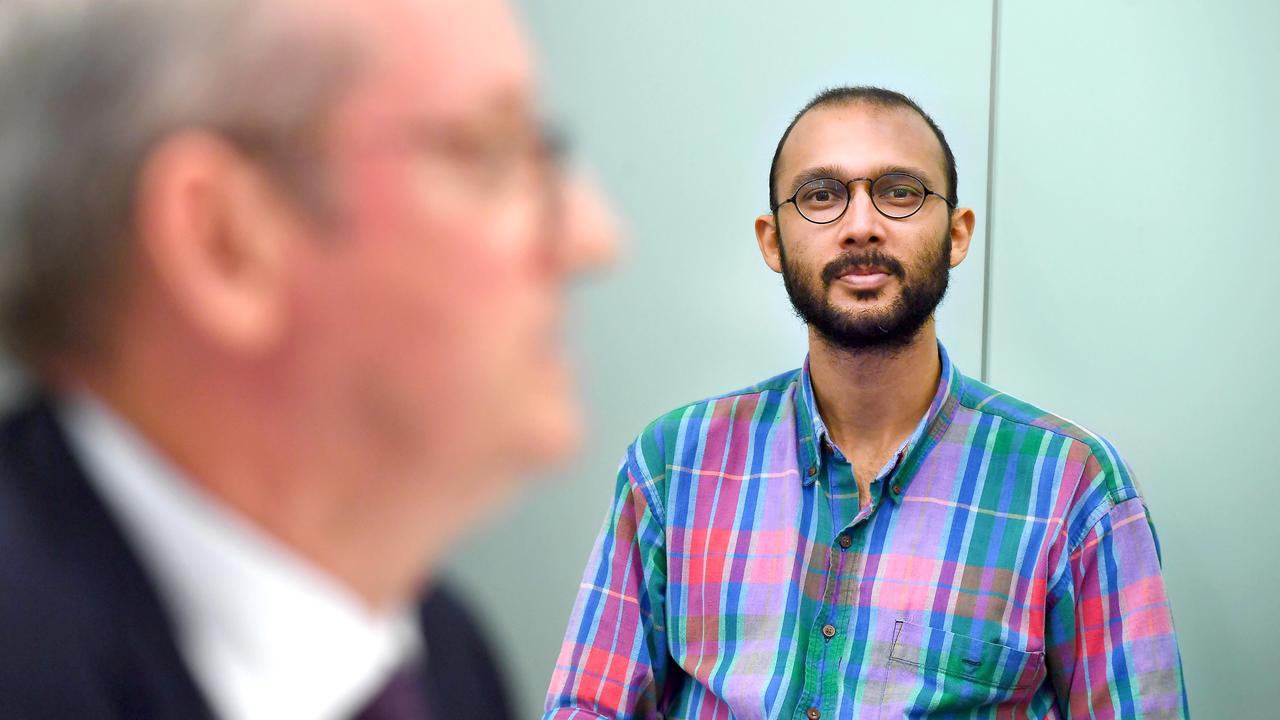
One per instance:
(889, 331)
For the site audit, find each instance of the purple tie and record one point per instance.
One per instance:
(402, 698)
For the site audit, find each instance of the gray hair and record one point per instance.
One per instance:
(87, 89)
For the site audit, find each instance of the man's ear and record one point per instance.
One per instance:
(218, 238)
(962, 221)
(767, 239)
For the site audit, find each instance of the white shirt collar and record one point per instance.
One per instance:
(266, 634)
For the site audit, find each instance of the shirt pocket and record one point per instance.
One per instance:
(935, 673)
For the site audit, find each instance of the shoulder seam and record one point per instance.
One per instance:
(648, 485)
(1074, 544)
(1107, 508)
(644, 484)
(1096, 448)
(1004, 416)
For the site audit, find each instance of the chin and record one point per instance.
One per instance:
(540, 433)
(555, 439)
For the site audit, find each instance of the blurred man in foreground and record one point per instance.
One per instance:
(288, 277)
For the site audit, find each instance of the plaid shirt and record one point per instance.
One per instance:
(1006, 567)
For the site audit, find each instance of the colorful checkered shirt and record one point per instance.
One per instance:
(1006, 567)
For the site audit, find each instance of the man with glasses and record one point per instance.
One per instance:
(287, 276)
(875, 534)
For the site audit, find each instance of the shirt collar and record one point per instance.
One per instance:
(265, 632)
(811, 430)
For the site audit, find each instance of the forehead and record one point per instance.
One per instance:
(446, 60)
(862, 139)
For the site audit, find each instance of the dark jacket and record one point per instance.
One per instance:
(83, 633)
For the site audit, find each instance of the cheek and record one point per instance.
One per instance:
(462, 305)
(434, 248)
(441, 305)
(802, 268)
(935, 255)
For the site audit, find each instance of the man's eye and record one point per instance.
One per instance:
(900, 193)
(820, 196)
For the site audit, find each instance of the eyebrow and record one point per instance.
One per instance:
(838, 173)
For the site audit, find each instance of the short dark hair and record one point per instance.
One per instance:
(876, 97)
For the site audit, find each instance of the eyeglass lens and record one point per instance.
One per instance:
(894, 194)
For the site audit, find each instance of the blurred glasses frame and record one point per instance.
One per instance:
(530, 159)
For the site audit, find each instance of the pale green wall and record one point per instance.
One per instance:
(1135, 249)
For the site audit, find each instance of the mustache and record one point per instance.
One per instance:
(868, 258)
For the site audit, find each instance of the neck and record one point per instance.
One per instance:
(872, 400)
(377, 526)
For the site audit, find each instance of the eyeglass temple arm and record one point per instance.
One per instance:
(950, 204)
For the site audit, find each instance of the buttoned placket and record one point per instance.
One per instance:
(829, 635)
(830, 632)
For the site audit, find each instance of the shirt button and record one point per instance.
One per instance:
(828, 631)
(813, 470)
(845, 541)
(897, 489)
(813, 713)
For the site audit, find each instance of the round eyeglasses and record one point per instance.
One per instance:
(895, 195)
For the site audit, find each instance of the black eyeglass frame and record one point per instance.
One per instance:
(848, 197)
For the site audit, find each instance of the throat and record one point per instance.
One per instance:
(870, 406)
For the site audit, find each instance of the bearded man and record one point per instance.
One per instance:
(874, 534)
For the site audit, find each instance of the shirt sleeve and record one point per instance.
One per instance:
(612, 663)
(1111, 649)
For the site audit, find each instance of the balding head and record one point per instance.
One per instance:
(876, 98)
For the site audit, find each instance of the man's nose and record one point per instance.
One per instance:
(862, 222)
(590, 232)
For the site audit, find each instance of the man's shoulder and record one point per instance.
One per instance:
(85, 634)
(1103, 462)
(463, 666)
(26, 451)
(691, 424)
(47, 638)
(37, 514)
